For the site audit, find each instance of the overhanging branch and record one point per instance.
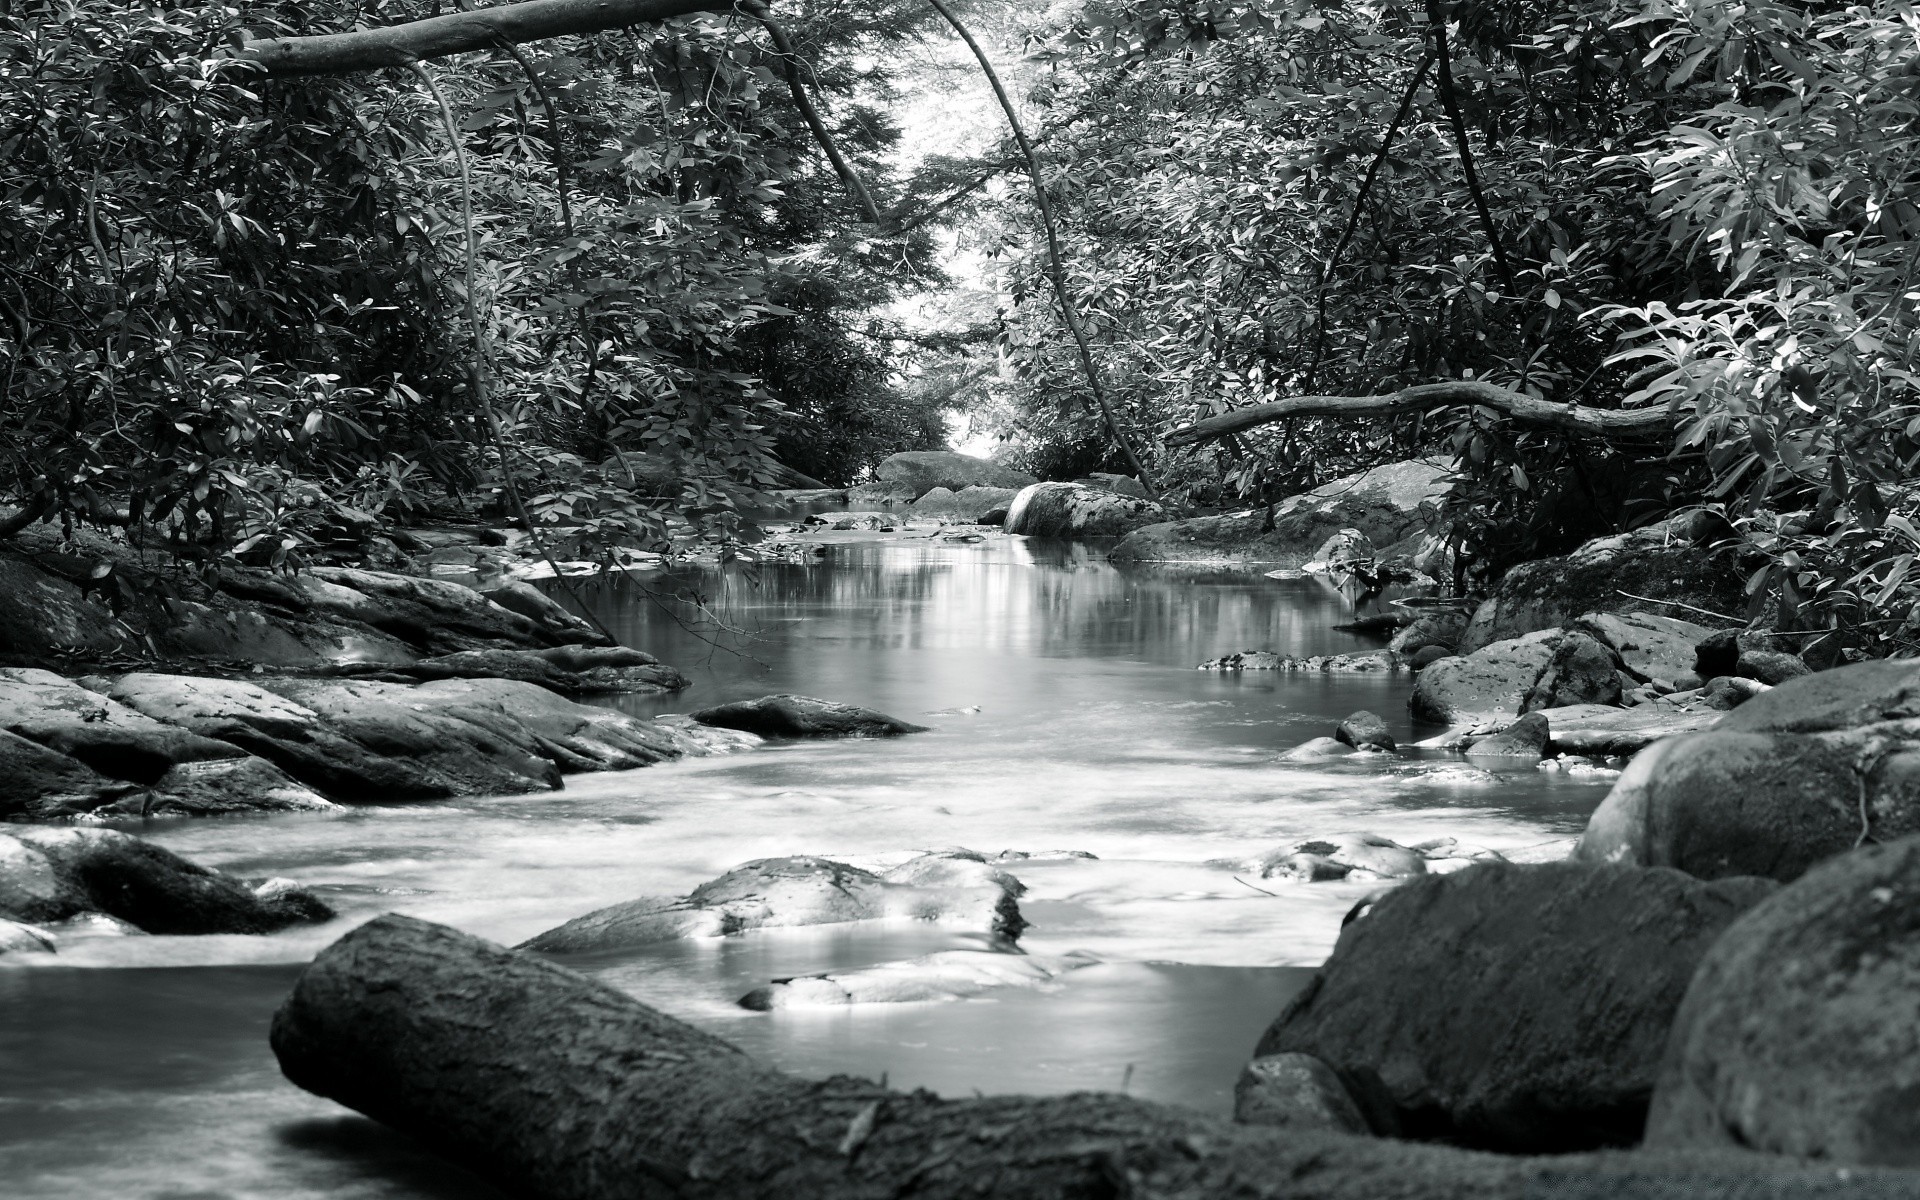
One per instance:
(458, 33)
(1614, 424)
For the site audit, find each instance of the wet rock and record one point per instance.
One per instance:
(1318, 750)
(1303, 868)
(1490, 684)
(970, 504)
(58, 874)
(1338, 664)
(1598, 730)
(695, 740)
(1463, 1007)
(569, 670)
(1068, 510)
(16, 938)
(1441, 629)
(1728, 692)
(1126, 485)
(1388, 504)
(1671, 561)
(555, 621)
(1369, 855)
(782, 892)
(238, 634)
(1800, 1033)
(44, 785)
(844, 521)
(1426, 656)
(1717, 654)
(792, 716)
(109, 737)
(1295, 1091)
(1771, 667)
(292, 737)
(435, 616)
(40, 613)
(1581, 671)
(1364, 729)
(942, 976)
(920, 471)
(1525, 739)
(879, 495)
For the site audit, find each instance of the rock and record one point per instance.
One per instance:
(1800, 1034)
(1368, 854)
(109, 737)
(16, 938)
(1364, 729)
(1388, 504)
(841, 521)
(945, 975)
(554, 620)
(225, 633)
(58, 874)
(1670, 561)
(1295, 1091)
(1598, 730)
(1346, 552)
(920, 471)
(1126, 485)
(1429, 655)
(781, 892)
(1303, 868)
(41, 613)
(1581, 671)
(1728, 692)
(969, 504)
(804, 716)
(44, 785)
(569, 670)
(1464, 1007)
(1525, 739)
(1068, 510)
(292, 737)
(1717, 654)
(1442, 629)
(1490, 684)
(1318, 750)
(880, 495)
(1771, 667)
(1648, 646)
(1339, 664)
(436, 616)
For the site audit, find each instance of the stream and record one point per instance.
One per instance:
(1067, 716)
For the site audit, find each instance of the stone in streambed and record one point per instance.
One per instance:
(1318, 750)
(1800, 1033)
(1581, 671)
(918, 472)
(1771, 667)
(1368, 855)
(60, 874)
(1069, 510)
(18, 938)
(109, 737)
(1295, 1091)
(43, 785)
(1303, 868)
(1335, 664)
(1365, 730)
(793, 716)
(569, 670)
(942, 976)
(1489, 685)
(1524, 740)
(1514, 1008)
(781, 892)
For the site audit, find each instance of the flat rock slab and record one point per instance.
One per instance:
(943, 976)
(1598, 729)
(790, 716)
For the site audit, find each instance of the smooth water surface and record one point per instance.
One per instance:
(1067, 716)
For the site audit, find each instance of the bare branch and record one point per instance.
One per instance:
(1613, 424)
(790, 65)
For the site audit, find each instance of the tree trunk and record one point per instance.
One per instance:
(1626, 424)
(562, 1088)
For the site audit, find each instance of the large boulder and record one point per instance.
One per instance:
(1071, 510)
(569, 670)
(58, 874)
(1648, 646)
(1797, 774)
(44, 785)
(1391, 506)
(107, 736)
(41, 612)
(1295, 1091)
(1513, 1008)
(921, 471)
(1581, 671)
(1630, 572)
(971, 504)
(1602, 730)
(1800, 1033)
(1488, 686)
(782, 892)
(789, 716)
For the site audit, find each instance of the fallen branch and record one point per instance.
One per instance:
(457, 33)
(1613, 424)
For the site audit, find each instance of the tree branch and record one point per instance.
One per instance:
(457, 33)
(1437, 20)
(790, 65)
(1612, 424)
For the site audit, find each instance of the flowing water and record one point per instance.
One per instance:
(1067, 716)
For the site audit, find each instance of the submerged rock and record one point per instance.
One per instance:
(1295, 1091)
(793, 716)
(1366, 855)
(1069, 510)
(1365, 729)
(1464, 1007)
(51, 875)
(942, 976)
(1800, 1033)
(781, 892)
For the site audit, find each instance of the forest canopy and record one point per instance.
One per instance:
(232, 304)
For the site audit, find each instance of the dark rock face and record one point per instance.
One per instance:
(1365, 729)
(791, 716)
(1800, 1034)
(40, 612)
(44, 785)
(1797, 774)
(1514, 1008)
(1667, 561)
(1295, 1091)
(784, 892)
(1489, 685)
(1582, 671)
(1525, 739)
(1772, 667)
(1717, 654)
(568, 670)
(56, 874)
(1069, 510)
(920, 471)
(1442, 629)
(1426, 656)
(1390, 505)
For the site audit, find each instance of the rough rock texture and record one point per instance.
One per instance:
(1596, 729)
(778, 892)
(41, 612)
(1388, 504)
(57, 874)
(920, 471)
(1582, 671)
(1126, 485)
(18, 938)
(553, 619)
(1772, 667)
(1069, 510)
(1365, 729)
(1801, 772)
(804, 716)
(879, 495)
(1489, 685)
(44, 785)
(945, 975)
(1669, 562)
(1339, 664)
(1361, 855)
(1800, 1034)
(1466, 1007)
(971, 504)
(109, 737)
(1295, 1091)
(569, 670)
(1649, 646)
(1525, 739)
(1442, 629)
